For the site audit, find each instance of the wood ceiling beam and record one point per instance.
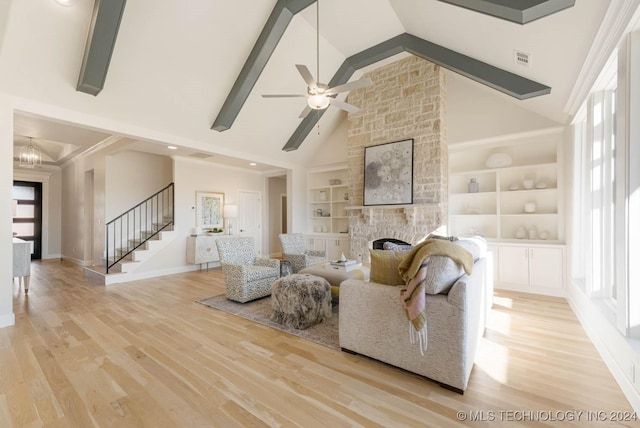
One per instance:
(269, 38)
(518, 11)
(101, 41)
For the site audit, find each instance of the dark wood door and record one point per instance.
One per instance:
(27, 215)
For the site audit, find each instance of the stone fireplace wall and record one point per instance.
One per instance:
(407, 100)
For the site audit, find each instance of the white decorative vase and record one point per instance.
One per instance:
(527, 184)
(530, 207)
(474, 187)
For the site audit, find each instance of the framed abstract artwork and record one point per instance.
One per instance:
(388, 173)
(209, 212)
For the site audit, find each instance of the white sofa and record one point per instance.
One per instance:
(373, 323)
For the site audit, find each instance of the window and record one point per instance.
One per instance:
(606, 199)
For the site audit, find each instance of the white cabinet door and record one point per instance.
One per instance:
(337, 246)
(513, 265)
(545, 267)
(533, 269)
(202, 249)
(314, 243)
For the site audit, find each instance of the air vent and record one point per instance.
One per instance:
(522, 58)
(200, 155)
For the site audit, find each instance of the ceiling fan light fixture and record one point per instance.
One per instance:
(318, 102)
(65, 3)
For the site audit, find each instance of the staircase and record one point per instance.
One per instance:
(136, 235)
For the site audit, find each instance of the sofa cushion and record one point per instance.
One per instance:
(384, 266)
(390, 246)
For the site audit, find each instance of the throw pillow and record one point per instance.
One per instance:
(442, 273)
(390, 246)
(384, 266)
(434, 235)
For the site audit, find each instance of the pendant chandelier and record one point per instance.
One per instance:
(30, 156)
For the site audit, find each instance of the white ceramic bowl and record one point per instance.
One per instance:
(498, 160)
(527, 184)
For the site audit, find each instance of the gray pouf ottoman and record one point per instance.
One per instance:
(300, 300)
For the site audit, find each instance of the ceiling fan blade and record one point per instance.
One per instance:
(344, 106)
(306, 75)
(284, 96)
(349, 86)
(305, 112)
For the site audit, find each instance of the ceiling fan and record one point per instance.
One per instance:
(319, 95)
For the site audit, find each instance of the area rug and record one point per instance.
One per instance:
(325, 333)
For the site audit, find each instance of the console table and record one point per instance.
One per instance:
(202, 249)
(22, 261)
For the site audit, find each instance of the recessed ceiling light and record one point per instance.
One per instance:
(65, 2)
(253, 164)
(172, 148)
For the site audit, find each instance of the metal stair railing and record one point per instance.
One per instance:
(130, 230)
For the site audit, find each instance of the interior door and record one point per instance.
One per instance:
(249, 222)
(27, 216)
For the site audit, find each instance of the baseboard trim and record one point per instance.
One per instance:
(7, 320)
(135, 276)
(580, 305)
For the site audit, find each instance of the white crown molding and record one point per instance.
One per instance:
(614, 25)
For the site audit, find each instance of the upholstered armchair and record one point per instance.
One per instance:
(294, 252)
(246, 276)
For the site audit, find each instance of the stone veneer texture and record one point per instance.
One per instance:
(407, 100)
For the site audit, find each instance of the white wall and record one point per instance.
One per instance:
(277, 187)
(334, 150)
(77, 212)
(192, 175)
(75, 209)
(475, 112)
(133, 176)
(6, 186)
(188, 175)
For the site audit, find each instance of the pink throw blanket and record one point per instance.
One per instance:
(413, 269)
(412, 299)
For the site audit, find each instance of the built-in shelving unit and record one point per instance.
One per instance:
(518, 206)
(519, 201)
(328, 214)
(327, 201)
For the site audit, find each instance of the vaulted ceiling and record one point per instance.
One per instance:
(175, 62)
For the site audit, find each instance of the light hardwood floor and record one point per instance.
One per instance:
(145, 354)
